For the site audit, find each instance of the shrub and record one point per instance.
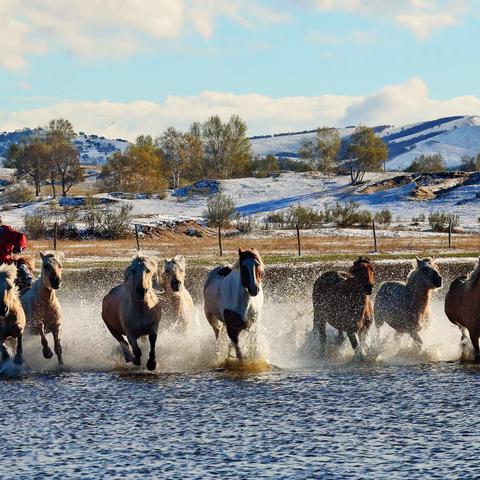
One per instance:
(278, 218)
(114, 223)
(470, 164)
(384, 217)
(246, 224)
(419, 219)
(427, 164)
(220, 211)
(440, 221)
(303, 217)
(19, 193)
(347, 215)
(35, 224)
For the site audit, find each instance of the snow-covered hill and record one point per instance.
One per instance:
(93, 149)
(453, 137)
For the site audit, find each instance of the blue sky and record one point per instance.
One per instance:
(140, 65)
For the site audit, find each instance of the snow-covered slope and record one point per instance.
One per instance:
(93, 149)
(453, 137)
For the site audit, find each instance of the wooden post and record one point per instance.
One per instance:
(374, 237)
(220, 241)
(450, 234)
(298, 241)
(55, 235)
(136, 237)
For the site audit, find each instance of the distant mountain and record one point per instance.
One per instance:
(453, 137)
(93, 149)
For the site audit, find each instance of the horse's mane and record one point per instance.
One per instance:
(29, 262)
(250, 253)
(8, 272)
(474, 274)
(151, 262)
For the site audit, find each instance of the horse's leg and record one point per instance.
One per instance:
(137, 353)
(57, 345)
(340, 338)
(47, 352)
(127, 353)
(152, 363)
(474, 340)
(320, 324)
(19, 353)
(235, 325)
(416, 338)
(353, 337)
(5, 354)
(214, 323)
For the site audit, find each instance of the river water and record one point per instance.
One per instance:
(399, 414)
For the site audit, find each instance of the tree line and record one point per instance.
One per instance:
(49, 158)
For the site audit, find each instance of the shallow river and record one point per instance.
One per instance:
(400, 414)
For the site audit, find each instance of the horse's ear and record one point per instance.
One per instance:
(165, 261)
(419, 261)
(240, 251)
(42, 255)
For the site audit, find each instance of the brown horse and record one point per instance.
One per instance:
(12, 316)
(133, 310)
(343, 300)
(462, 306)
(405, 306)
(42, 307)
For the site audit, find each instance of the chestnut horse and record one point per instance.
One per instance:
(405, 306)
(12, 316)
(234, 296)
(343, 300)
(132, 309)
(462, 306)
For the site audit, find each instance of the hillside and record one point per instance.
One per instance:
(93, 149)
(453, 137)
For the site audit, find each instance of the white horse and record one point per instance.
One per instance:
(42, 307)
(177, 303)
(133, 310)
(234, 296)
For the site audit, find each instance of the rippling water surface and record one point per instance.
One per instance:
(400, 414)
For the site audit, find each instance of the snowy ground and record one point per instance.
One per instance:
(259, 196)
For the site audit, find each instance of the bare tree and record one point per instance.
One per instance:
(219, 213)
(174, 147)
(32, 162)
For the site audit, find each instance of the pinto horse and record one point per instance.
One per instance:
(234, 296)
(462, 306)
(343, 300)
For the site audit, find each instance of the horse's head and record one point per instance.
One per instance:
(8, 273)
(429, 271)
(251, 270)
(363, 271)
(51, 270)
(173, 273)
(139, 276)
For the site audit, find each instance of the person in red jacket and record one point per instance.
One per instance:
(11, 242)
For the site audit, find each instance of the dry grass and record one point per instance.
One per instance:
(274, 249)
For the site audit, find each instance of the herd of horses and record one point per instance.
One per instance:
(151, 295)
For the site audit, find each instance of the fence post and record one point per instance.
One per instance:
(55, 235)
(374, 237)
(450, 234)
(298, 241)
(220, 241)
(136, 237)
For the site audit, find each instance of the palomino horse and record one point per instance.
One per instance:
(462, 306)
(343, 300)
(133, 310)
(42, 307)
(405, 306)
(12, 316)
(177, 303)
(234, 295)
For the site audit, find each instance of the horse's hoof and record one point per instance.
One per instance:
(151, 364)
(47, 353)
(136, 361)
(18, 361)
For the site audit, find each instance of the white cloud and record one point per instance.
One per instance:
(422, 17)
(98, 28)
(394, 104)
(357, 37)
